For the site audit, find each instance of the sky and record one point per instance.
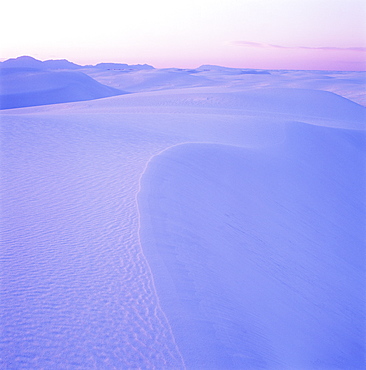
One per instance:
(263, 34)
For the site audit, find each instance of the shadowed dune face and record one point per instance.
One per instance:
(258, 254)
(26, 87)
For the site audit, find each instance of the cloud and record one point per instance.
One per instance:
(272, 46)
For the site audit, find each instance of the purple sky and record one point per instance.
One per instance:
(289, 34)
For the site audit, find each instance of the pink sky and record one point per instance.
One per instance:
(270, 34)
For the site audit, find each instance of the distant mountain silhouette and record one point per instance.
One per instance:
(123, 66)
(30, 62)
(228, 70)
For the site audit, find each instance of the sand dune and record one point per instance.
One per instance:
(247, 248)
(24, 87)
(149, 80)
(210, 219)
(312, 106)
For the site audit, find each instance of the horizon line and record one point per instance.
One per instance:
(239, 43)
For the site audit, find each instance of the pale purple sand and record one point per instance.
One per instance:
(219, 224)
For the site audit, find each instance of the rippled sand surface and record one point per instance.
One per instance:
(81, 285)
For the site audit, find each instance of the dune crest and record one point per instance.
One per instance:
(25, 87)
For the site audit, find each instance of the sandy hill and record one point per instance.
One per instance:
(25, 87)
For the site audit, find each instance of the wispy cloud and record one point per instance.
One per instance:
(272, 46)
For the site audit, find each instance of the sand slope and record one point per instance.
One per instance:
(211, 219)
(25, 87)
(258, 254)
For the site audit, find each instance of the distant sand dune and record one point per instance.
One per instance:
(25, 87)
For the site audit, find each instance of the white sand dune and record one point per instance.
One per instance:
(147, 79)
(311, 106)
(258, 255)
(205, 223)
(27, 87)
